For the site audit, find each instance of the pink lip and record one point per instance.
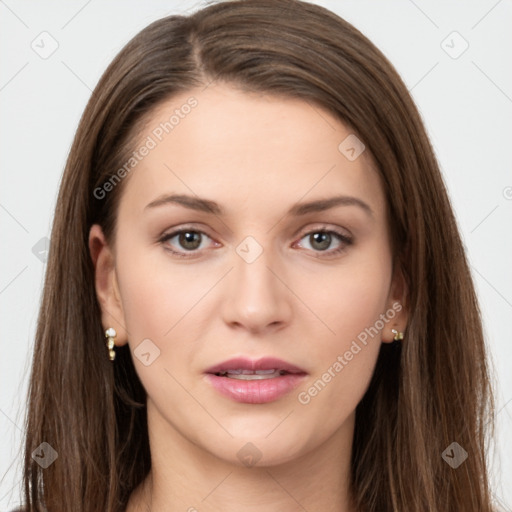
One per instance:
(255, 391)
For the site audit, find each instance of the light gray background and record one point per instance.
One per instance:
(466, 103)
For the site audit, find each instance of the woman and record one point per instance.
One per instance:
(253, 221)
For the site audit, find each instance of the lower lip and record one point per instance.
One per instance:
(260, 391)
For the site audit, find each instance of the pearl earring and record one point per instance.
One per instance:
(399, 335)
(111, 333)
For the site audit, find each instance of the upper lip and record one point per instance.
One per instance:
(265, 363)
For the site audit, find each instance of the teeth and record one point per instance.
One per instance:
(252, 375)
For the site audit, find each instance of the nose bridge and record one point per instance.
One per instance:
(252, 276)
(257, 297)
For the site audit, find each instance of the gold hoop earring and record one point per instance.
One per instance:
(399, 335)
(111, 333)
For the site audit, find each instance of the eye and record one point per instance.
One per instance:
(189, 240)
(321, 239)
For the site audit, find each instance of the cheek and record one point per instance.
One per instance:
(156, 293)
(348, 298)
(161, 303)
(351, 303)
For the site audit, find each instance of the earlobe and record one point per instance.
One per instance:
(106, 286)
(397, 310)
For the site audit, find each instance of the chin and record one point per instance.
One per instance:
(258, 450)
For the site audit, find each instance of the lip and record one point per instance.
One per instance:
(255, 391)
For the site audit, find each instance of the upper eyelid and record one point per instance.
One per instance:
(324, 227)
(320, 227)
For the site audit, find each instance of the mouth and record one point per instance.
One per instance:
(266, 368)
(254, 375)
(255, 382)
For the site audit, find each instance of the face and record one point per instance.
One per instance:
(252, 274)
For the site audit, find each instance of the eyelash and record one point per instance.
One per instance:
(344, 239)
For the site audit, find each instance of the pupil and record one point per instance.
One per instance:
(323, 239)
(187, 241)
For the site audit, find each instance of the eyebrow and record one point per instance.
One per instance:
(208, 206)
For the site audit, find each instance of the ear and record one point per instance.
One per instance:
(107, 289)
(397, 306)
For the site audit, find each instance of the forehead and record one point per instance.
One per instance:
(247, 151)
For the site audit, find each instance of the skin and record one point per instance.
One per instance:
(257, 156)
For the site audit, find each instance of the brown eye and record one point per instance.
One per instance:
(190, 240)
(321, 240)
(184, 242)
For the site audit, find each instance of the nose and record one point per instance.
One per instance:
(258, 299)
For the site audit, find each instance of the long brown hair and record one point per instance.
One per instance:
(426, 394)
